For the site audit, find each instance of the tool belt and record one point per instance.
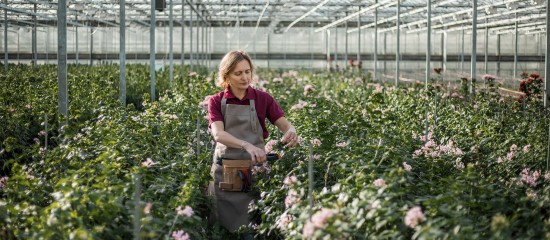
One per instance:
(236, 175)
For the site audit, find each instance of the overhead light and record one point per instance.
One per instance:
(537, 2)
(490, 10)
(512, 6)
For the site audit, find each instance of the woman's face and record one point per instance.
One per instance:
(240, 77)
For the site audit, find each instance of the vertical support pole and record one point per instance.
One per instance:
(398, 43)
(428, 44)
(516, 47)
(203, 45)
(171, 44)
(182, 40)
(486, 45)
(91, 45)
(474, 45)
(327, 49)
(34, 49)
(63, 95)
(122, 55)
(310, 46)
(547, 70)
(6, 37)
(498, 54)
(152, 50)
(462, 52)
(385, 52)
(191, 49)
(268, 48)
(428, 60)
(336, 48)
(197, 42)
(546, 81)
(444, 35)
(375, 58)
(359, 37)
(346, 57)
(76, 40)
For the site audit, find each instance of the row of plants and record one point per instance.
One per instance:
(388, 162)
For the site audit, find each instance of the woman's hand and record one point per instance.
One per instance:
(257, 154)
(290, 138)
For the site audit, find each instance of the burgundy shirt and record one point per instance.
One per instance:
(266, 106)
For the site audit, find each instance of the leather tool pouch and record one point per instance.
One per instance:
(236, 176)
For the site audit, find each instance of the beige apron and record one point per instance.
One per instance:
(241, 121)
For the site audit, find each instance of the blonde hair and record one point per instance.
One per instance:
(228, 63)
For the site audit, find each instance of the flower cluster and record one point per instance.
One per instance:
(291, 198)
(180, 235)
(316, 142)
(432, 149)
(291, 74)
(342, 144)
(147, 208)
(204, 103)
(317, 221)
(531, 87)
(379, 182)
(290, 180)
(284, 220)
(407, 167)
(301, 104)
(187, 211)
(148, 163)
(308, 89)
(530, 177)
(3, 181)
(513, 152)
(414, 216)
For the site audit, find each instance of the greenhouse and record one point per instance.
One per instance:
(274, 119)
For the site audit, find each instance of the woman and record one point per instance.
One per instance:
(237, 122)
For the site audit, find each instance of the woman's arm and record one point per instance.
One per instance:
(290, 138)
(223, 137)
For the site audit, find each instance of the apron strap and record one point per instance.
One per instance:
(253, 116)
(224, 107)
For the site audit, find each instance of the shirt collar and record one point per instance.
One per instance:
(249, 95)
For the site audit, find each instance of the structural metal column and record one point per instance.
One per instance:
(375, 58)
(397, 47)
(33, 44)
(546, 75)
(191, 49)
(462, 53)
(474, 45)
(486, 45)
(171, 44)
(516, 48)
(63, 95)
(428, 44)
(359, 37)
(444, 48)
(498, 54)
(122, 55)
(182, 39)
(327, 48)
(152, 50)
(6, 37)
(346, 57)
